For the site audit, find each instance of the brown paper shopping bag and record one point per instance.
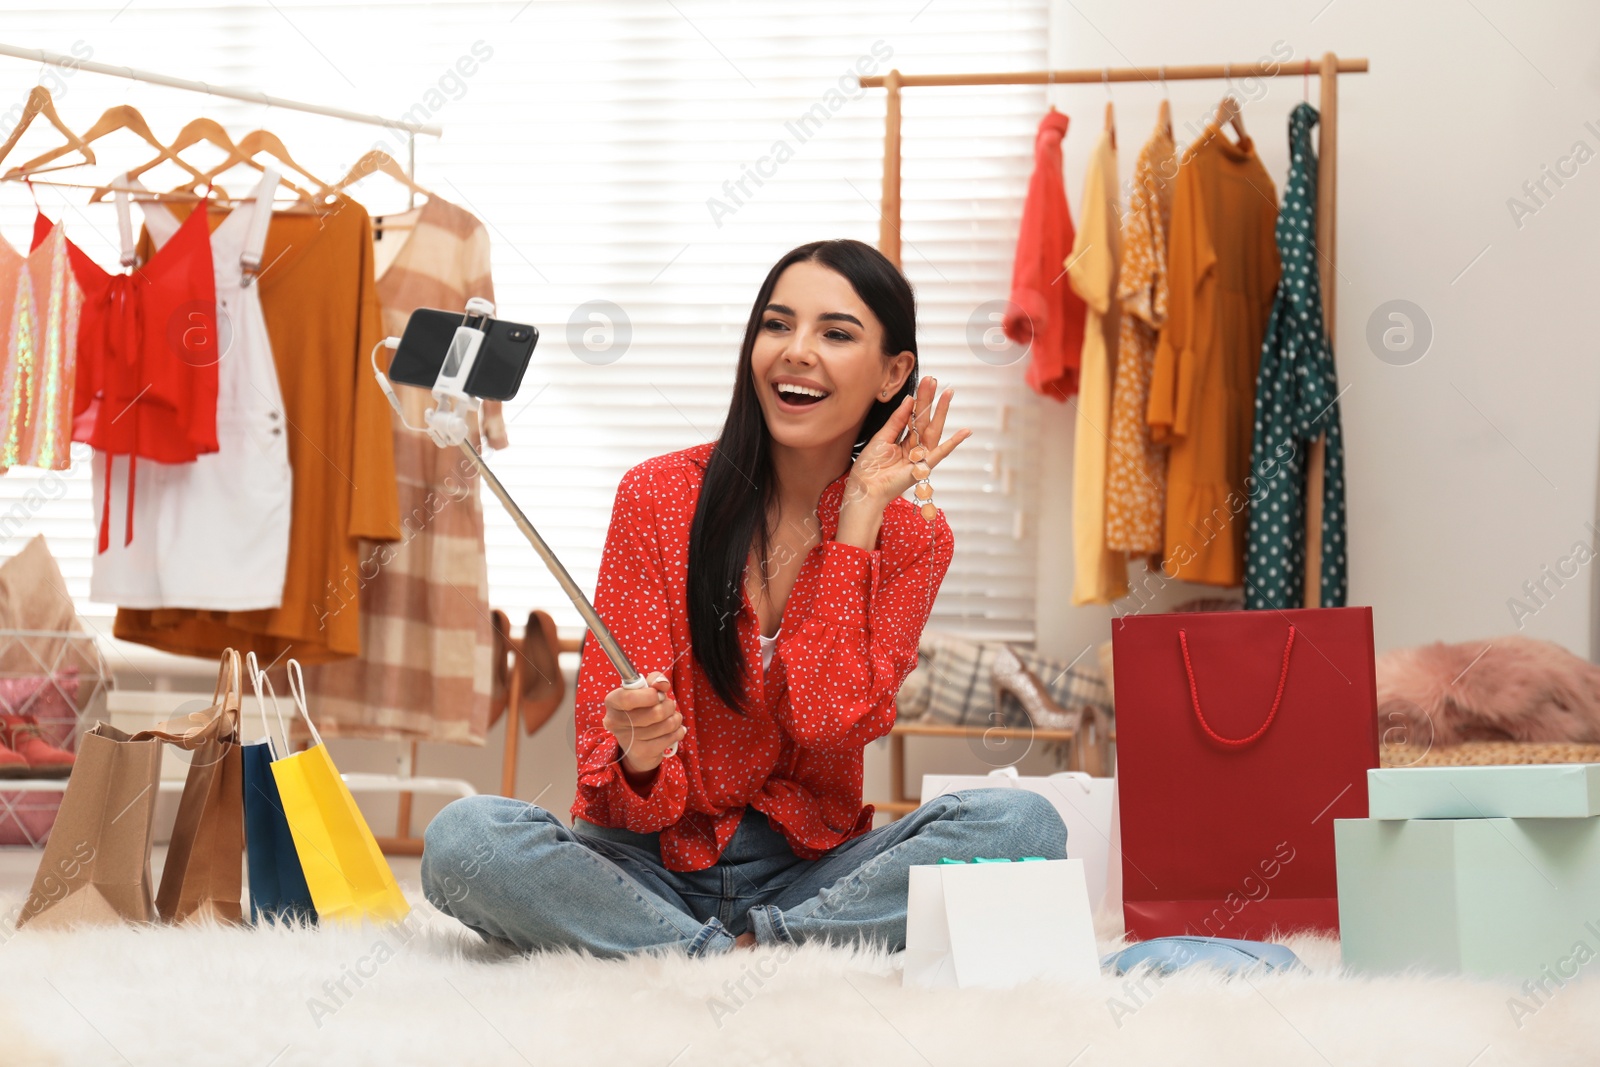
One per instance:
(203, 877)
(96, 865)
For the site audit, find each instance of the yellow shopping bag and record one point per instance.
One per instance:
(345, 870)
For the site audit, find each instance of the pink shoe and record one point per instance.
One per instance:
(24, 742)
(12, 765)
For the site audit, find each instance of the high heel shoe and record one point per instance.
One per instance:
(500, 672)
(544, 687)
(1011, 675)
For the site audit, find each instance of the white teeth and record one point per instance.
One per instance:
(786, 387)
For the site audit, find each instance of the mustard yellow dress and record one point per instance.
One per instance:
(1100, 575)
(1222, 273)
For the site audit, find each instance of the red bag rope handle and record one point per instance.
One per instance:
(1194, 694)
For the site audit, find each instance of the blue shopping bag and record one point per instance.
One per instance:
(278, 887)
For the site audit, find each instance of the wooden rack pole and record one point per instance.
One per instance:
(1327, 269)
(889, 220)
(1153, 75)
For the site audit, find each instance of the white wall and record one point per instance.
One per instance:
(1474, 467)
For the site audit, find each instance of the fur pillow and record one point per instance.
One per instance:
(1508, 688)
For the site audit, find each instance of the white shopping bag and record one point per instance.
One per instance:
(1085, 804)
(996, 925)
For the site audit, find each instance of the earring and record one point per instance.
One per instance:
(923, 489)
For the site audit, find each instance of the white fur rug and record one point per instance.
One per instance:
(429, 992)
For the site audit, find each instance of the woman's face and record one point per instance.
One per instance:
(816, 332)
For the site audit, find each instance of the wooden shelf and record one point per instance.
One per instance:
(940, 729)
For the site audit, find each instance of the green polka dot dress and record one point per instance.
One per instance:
(1297, 392)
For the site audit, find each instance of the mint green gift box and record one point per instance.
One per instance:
(1534, 791)
(1496, 898)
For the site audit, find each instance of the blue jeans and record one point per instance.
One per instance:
(513, 873)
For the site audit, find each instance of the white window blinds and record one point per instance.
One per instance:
(640, 167)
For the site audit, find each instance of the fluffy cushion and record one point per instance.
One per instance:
(1509, 688)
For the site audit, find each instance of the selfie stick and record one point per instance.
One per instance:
(447, 426)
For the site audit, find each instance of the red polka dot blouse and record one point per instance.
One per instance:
(848, 640)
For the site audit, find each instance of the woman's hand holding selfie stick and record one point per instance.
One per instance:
(647, 724)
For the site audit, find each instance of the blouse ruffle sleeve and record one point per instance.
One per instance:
(1190, 269)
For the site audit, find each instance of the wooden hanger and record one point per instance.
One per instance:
(1111, 121)
(377, 161)
(181, 195)
(39, 103)
(257, 141)
(198, 130)
(249, 146)
(121, 117)
(1164, 111)
(1228, 111)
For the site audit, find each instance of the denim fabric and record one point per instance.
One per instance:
(512, 872)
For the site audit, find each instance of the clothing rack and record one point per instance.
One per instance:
(405, 783)
(1327, 70)
(250, 96)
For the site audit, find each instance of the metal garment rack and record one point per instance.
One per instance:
(233, 92)
(407, 782)
(1327, 71)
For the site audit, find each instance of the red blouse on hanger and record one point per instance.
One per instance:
(147, 352)
(1044, 312)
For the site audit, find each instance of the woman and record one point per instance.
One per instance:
(722, 806)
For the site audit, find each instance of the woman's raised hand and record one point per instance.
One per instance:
(645, 722)
(885, 468)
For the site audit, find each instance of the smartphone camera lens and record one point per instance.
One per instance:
(518, 334)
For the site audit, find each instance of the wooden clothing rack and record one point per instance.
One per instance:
(1327, 71)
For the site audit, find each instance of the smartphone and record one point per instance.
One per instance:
(502, 358)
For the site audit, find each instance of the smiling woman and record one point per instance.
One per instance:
(830, 361)
(722, 806)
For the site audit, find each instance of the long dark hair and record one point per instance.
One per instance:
(731, 513)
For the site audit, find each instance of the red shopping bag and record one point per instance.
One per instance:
(1241, 737)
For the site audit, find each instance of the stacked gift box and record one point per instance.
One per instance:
(1490, 871)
